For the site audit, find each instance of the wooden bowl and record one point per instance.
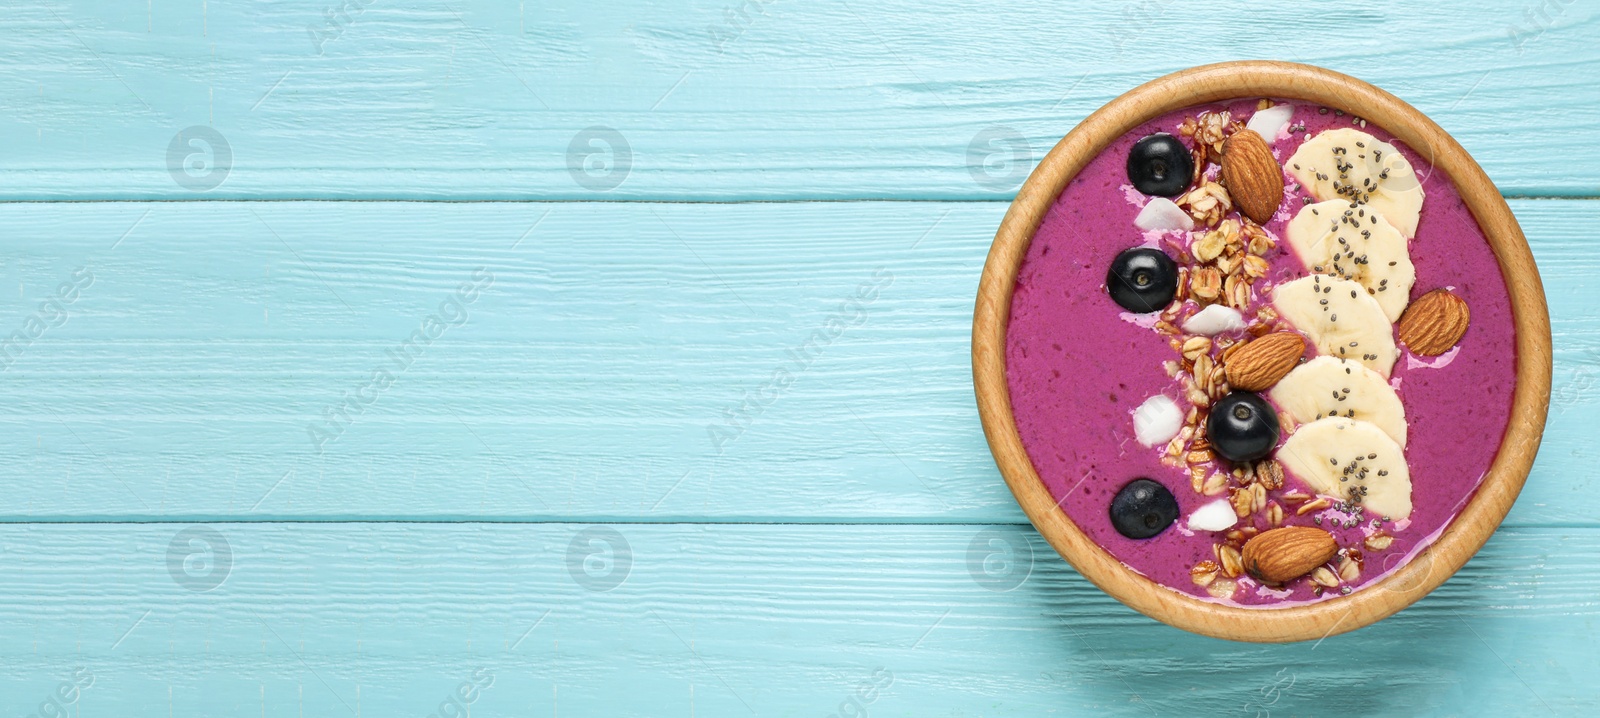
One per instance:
(1462, 537)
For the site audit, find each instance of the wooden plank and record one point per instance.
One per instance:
(715, 101)
(388, 619)
(592, 379)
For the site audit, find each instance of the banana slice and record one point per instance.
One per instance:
(1330, 386)
(1340, 318)
(1352, 165)
(1354, 460)
(1355, 242)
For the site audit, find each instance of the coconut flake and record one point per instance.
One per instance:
(1265, 591)
(1438, 362)
(1161, 213)
(1152, 238)
(1132, 196)
(1214, 320)
(1215, 516)
(1271, 121)
(1143, 321)
(1157, 420)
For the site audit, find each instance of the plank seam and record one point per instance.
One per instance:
(847, 200)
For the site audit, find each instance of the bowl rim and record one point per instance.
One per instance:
(1461, 538)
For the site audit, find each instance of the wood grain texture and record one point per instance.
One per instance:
(718, 101)
(189, 369)
(583, 383)
(387, 619)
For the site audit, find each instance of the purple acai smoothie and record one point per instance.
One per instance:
(1078, 365)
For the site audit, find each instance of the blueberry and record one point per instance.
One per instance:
(1143, 509)
(1160, 165)
(1142, 280)
(1242, 427)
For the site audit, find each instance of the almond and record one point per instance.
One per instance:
(1434, 323)
(1283, 554)
(1261, 362)
(1252, 175)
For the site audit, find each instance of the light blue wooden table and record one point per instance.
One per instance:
(388, 358)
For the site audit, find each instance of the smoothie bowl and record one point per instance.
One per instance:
(1262, 352)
